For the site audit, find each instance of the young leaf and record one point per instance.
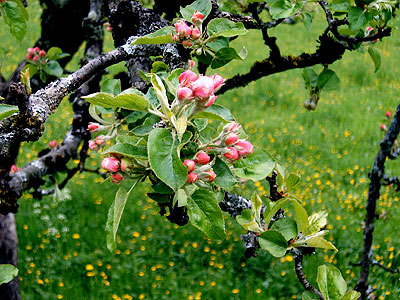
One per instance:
(216, 112)
(287, 227)
(307, 295)
(7, 273)
(352, 295)
(340, 5)
(7, 110)
(358, 18)
(247, 220)
(328, 80)
(114, 217)
(181, 125)
(301, 216)
(310, 78)
(14, 18)
(24, 12)
(256, 206)
(225, 178)
(375, 56)
(226, 28)
(203, 6)
(53, 68)
(55, 53)
(225, 55)
(181, 198)
(111, 86)
(256, 166)
(292, 181)
(307, 21)
(128, 150)
(283, 9)
(330, 282)
(161, 36)
(164, 159)
(273, 242)
(319, 242)
(206, 215)
(316, 221)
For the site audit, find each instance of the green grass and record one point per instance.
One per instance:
(62, 252)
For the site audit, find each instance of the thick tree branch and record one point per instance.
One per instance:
(375, 176)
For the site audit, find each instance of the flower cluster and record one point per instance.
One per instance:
(117, 165)
(388, 116)
(36, 56)
(100, 140)
(227, 145)
(186, 34)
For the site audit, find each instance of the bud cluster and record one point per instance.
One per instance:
(185, 34)
(200, 169)
(117, 165)
(36, 56)
(100, 140)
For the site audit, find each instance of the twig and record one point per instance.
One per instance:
(298, 266)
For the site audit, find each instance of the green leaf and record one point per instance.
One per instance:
(225, 178)
(340, 5)
(203, 6)
(225, 27)
(358, 18)
(352, 295)
(248, 221)
(287, 227)
(14, 18)
(301, 216)
(7, 110)
(159, 66)
(128, 150)
(130, 99)
(161, 36)
(316, 221)
(330, 282)
(256, 166)
(200, 124)
(273, 242)
(7, 273)
(292, 181)
(55, 53)
(375, 56)
(307, 295)
(164, 159)
(225, 55)
(53, 68)
(319, 242)
(256, 206)
(181, 198)
(283, 9)
(277, 205)
(206, 215)
(111, 86)
(218, 43)
(114, 217)
(216, 112)
(181, 125)
(307, 21)
(142, 130)
(328, 80)
(310, 78)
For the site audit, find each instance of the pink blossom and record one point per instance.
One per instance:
(184, 93)
(31, 51)
(28, 56)
(93, 126)
(93, 145)
(195, 33)
(14, 169)
(203, 88)
(197, 17)
(202, 158)
(192, 177)
(187, 77)
(100, 140)
(35, 58)
(42, 53)
(117, 178)
(388, 113)
(53, 144)
(218, 81)
(36, 49)
(182, 28)
(209, 176)
(244, 147)
(111, 164)
(232, 127)
(189, 164)
(211, 100)
(191, 64)
(187, 43)
(383, 127)
(231, 139)
(232, 155)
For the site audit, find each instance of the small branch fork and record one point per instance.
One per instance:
(298, 266)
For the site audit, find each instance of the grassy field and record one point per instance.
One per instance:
(62, 249)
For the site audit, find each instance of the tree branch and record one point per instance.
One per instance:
(298, 266)
(375, 176)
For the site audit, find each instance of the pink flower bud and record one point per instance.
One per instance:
(100, 140)
(203, 88)
(192, 177)
(208, 176)
(53, 144)
(182, 28)
(37, 49)
(383, 127)
(126, 164)
(232, 127)
(31, 51)
(202, 158)
(176, 38)
(111, 164)
(195, 33)
(244, 147)
(191, 64)
(184, 93)
(232, 155)
(231, 139)
(42, 53)
(28, 57)
(93, 126)
(35, 58)
(93, 145)
(218, 81)
(211, 100)
(388, 113)
(187, 43)
(189, 164)
(14, 169)
(117, 178)
(187, 77)
(197, 17)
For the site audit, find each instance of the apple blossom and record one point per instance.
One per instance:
(187, 77)
(203, 88)
(192, 177)
(232, 155)
(197, 17)
(111, 164)
(202, 158)
(117, 178)
(189, 164)
(211, 100)
(244, 147)
(231, 139)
